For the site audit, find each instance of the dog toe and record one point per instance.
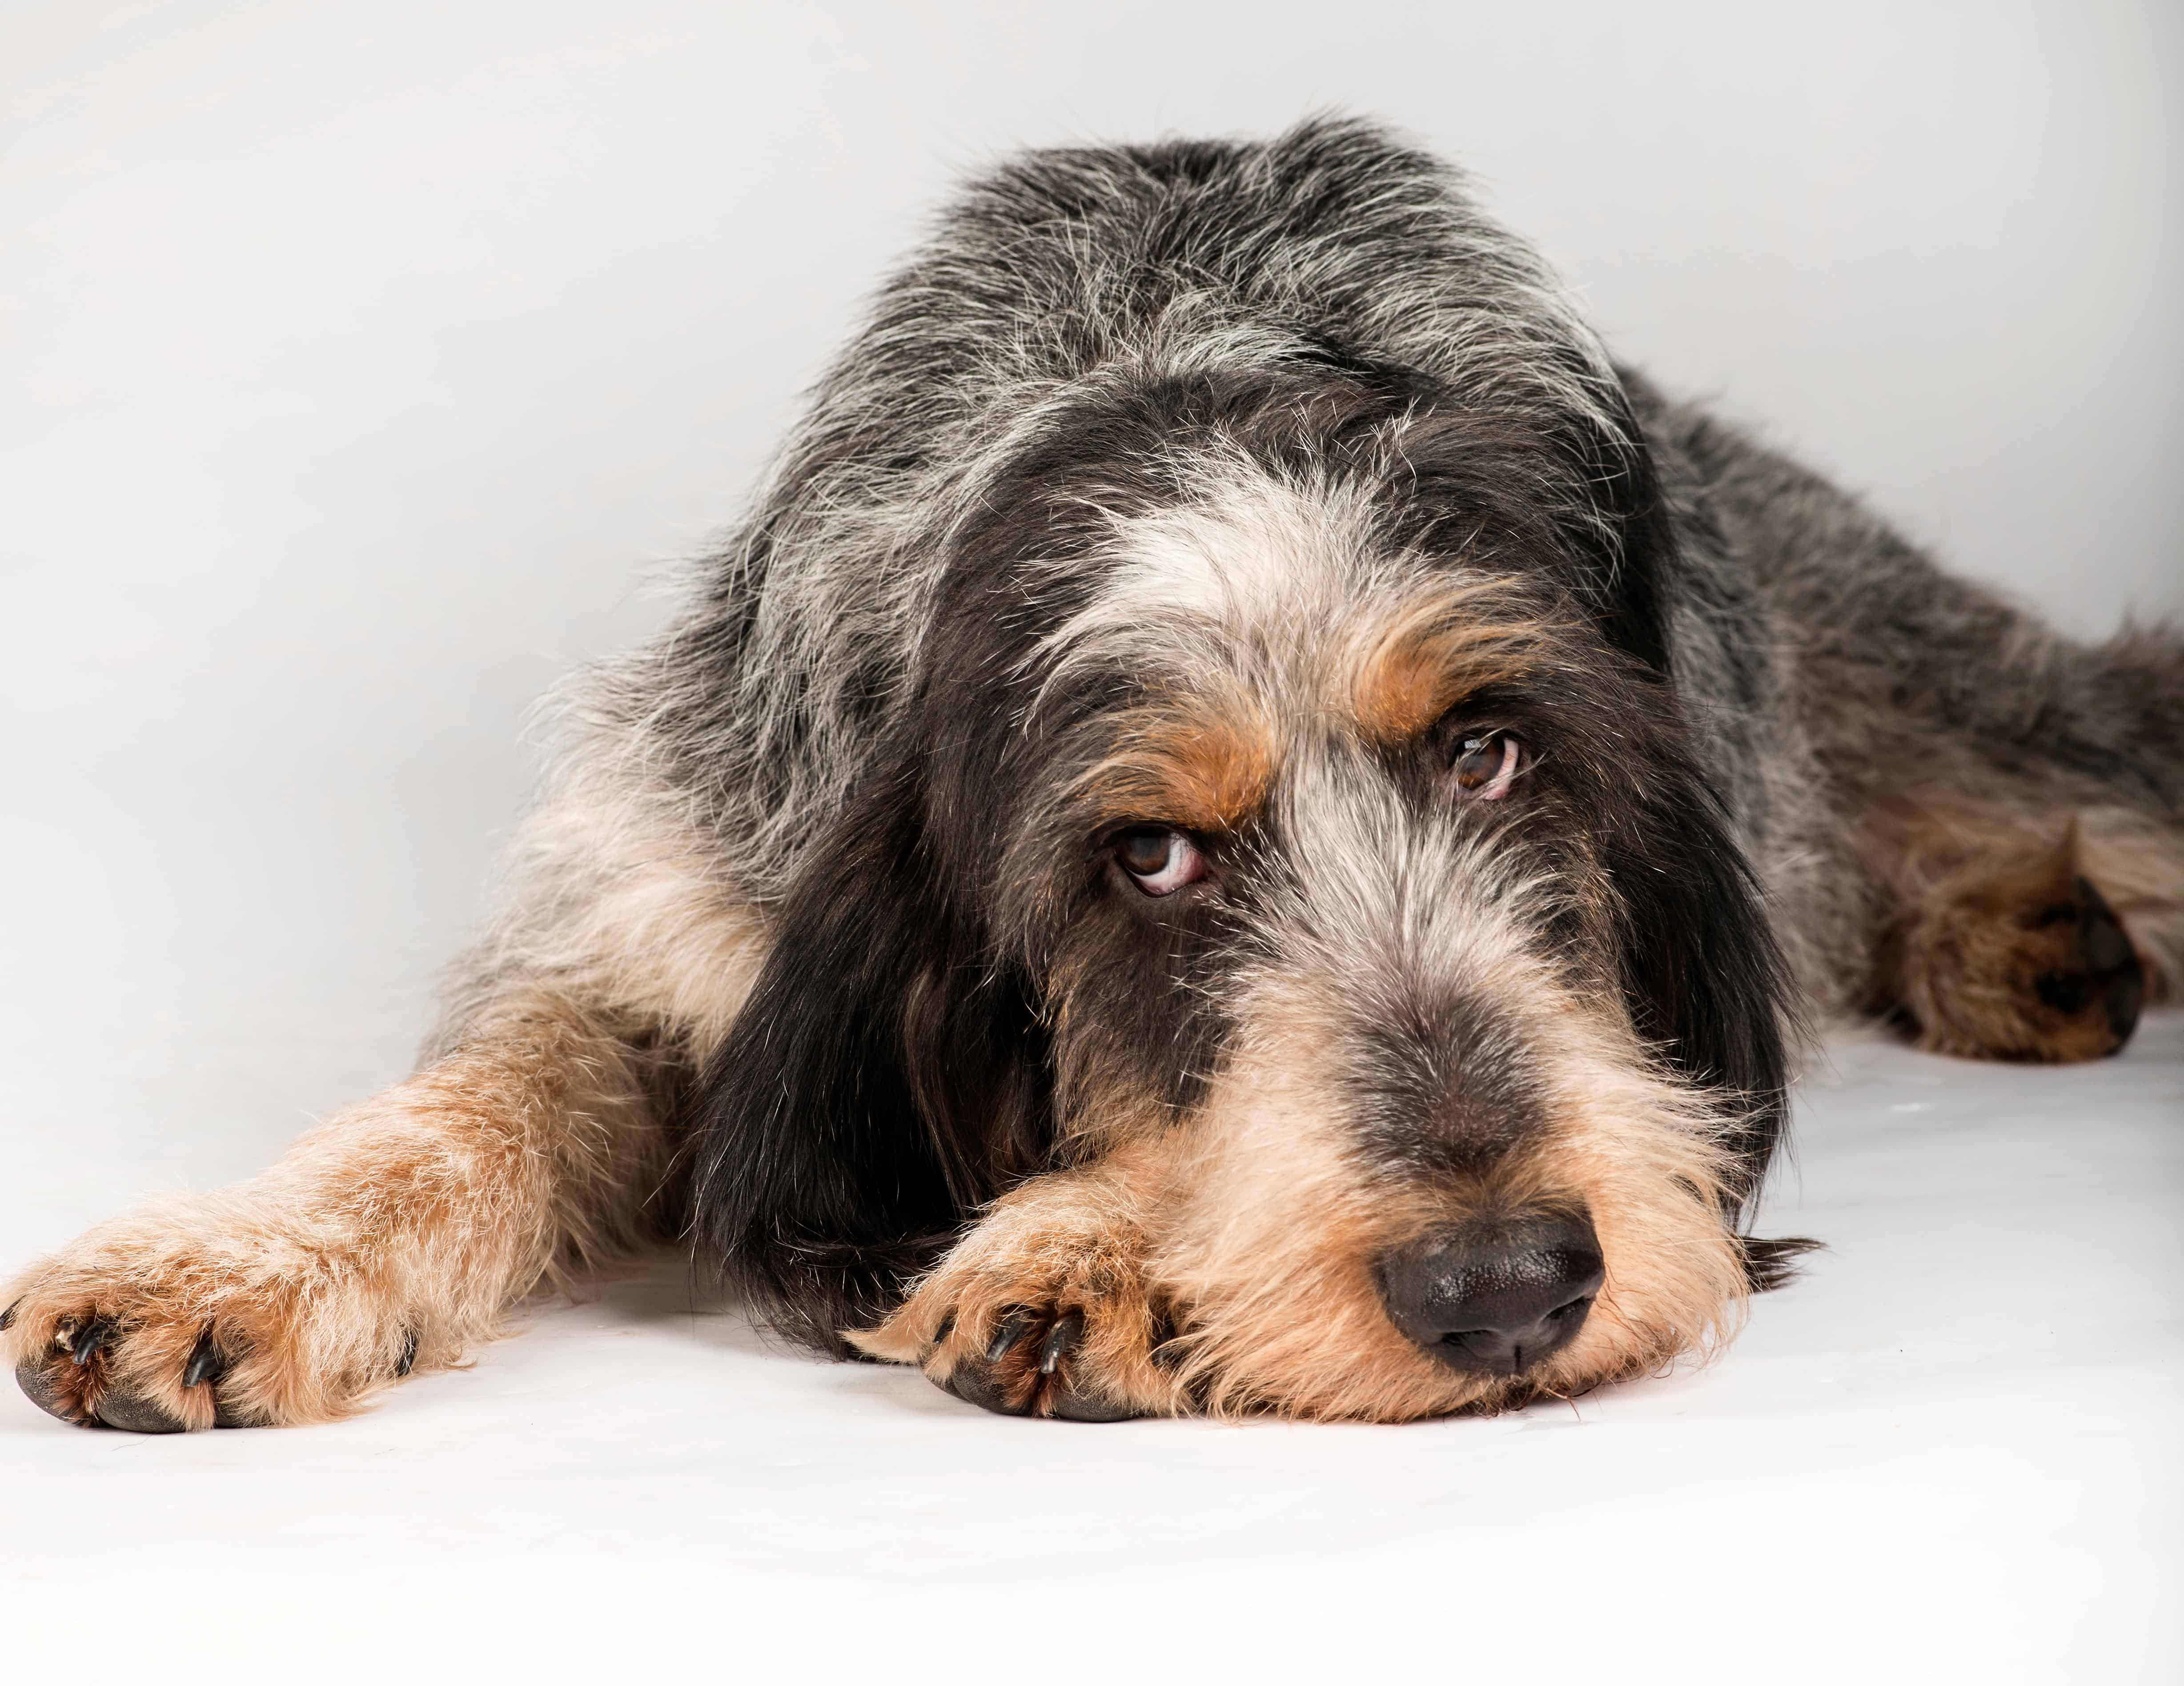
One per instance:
(41, 1379)
(1009, 1330)
(1044, 1309)
(124, 1407)
(206, 1363)
(1034, 1365)
(78, 1377)
(64, 1377)
(89, 1340)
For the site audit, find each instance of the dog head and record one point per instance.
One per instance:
(1294, 768)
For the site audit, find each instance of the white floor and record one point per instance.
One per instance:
(1950, 1453)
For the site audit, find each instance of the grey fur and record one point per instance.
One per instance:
(1043, 281)
(753, 713)
(1841, 691)
(825, 919)
(1883, 666)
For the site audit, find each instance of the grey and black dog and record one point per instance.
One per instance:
(1247, 823)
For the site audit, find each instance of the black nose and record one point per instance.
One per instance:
(1496, 1302)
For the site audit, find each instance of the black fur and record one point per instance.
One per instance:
(896, 1065)
(880, 1083)
(891, 1070)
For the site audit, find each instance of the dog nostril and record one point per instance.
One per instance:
(1496, 1302)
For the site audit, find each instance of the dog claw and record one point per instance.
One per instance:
(1060, 1339)
(207, 1363)
(409, 1359)
(85, 1344)
(8, 1317)
(1007, 1333)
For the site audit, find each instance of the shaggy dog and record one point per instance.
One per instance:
(1244, 825)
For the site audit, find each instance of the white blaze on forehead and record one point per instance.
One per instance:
(1246, 554)
(1252, 548)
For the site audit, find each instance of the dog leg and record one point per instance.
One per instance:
(388, 1240)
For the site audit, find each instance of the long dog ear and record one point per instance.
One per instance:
(878, 1081)
(1634, 561)
(1705, 979)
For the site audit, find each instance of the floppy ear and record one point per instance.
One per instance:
(1703, 974)
(1706, 978)
(1631, 564)
(880, 1083)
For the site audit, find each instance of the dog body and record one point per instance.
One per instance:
(1245, 825)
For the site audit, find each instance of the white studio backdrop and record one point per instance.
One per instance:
(363, 359)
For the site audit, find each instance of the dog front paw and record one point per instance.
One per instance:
(1042, 1310)
(190, 1317)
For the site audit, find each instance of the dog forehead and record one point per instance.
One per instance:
(1237, 580)
(1280, 601)
(1246, 552)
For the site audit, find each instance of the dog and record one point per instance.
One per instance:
(1246, 825)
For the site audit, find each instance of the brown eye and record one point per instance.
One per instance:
(1159, 859)
(1486, 764)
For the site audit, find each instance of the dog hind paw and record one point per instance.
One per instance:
(2035, 966)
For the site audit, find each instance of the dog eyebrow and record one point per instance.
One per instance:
(1407, 669)
(1206, 762)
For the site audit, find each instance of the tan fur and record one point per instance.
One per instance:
(1204, 764)
(1648, 1157)
(1271, 1255)
(1299, 1329)
(530, 1151)
(1406, 671)
(1253, 1231)
(1069, 1240)
(1975, 890)
(2139, 865)
(418, 1216)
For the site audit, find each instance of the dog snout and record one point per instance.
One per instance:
(1496, 1302)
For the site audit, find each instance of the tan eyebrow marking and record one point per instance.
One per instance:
(1207, 764)
(1410, 668)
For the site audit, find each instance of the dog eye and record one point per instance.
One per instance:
(1486, 764)
(1159, 859)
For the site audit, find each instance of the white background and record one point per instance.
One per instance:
(361, 361)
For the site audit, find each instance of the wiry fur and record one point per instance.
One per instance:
(1226, 487)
